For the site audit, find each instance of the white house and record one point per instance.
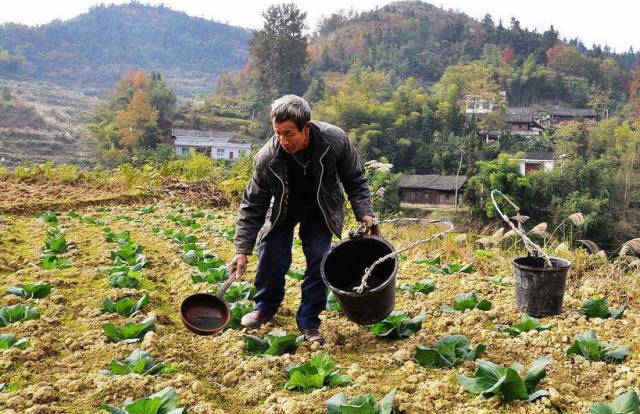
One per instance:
(484, 103)
(537, 160)
(216, 144)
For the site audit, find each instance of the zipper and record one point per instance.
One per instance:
(318, 195)
(273, 222)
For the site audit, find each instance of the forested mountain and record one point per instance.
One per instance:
(416, 39)
(94, 49)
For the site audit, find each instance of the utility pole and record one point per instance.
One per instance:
(457, 175)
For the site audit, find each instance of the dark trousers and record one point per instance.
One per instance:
(274, 260)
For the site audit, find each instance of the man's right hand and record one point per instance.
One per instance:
(238, 264)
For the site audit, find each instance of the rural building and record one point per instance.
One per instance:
(522, 122)
(559, 114)
(484, 103)
(431, 189)
(527, 121)
(537, 160)
(216, 144)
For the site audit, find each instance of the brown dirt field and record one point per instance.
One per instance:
(58, 372)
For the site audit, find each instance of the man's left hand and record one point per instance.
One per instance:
(370, 223)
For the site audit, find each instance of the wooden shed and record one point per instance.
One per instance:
(431, 189)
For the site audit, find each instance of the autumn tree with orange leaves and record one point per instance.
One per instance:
(128, 84)
(135, 119)
(138, 122)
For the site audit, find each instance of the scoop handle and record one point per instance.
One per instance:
(223, 289)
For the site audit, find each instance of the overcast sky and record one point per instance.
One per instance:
(614, 22)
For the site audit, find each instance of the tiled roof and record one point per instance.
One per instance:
(432, 182)
(572, 112)
(525, 114)
(540, 155)
(192, 133)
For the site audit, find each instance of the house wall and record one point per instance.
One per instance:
(447, 198)
(227, 151)
(230, 152)
(427, 196)
(525, 129)
(527, 166)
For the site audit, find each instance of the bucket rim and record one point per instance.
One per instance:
(562, 264)
(367, 292)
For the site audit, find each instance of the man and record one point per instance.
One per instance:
(298, 177)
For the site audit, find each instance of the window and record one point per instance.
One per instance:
(230, 155)
(185, 151)
(220, 153)
(530, 167)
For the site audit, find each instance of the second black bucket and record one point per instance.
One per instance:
(540, 290)
(342, 270)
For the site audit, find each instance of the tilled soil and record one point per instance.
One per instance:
(58, 372)
(20, 197)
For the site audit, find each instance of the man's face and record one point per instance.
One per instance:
(290, 137)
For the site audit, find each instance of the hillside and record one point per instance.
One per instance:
(93, 50)
(415, 38)
(42, 121)
(412, 38)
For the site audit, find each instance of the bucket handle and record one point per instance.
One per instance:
(369, 270)
(532, 248)
(362, 229)
(223, 289)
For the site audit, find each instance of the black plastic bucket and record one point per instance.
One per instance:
(342, 269)
(540, 290)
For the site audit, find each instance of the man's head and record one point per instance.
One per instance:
(290, 117)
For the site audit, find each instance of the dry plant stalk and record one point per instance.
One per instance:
(632, 245)
(369, 270)
(531, 247)
(591, 246)
(577, 219)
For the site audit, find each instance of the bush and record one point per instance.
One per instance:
(502, 174)
(138, 178)
(384, 187)
(194, 167)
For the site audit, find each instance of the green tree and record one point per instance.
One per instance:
(163, 99)
(316, 90)
(572, 139)
(579, 186)
(628, 148)
(384, 186)
(470, 78)
(279, 51)
(502, 174)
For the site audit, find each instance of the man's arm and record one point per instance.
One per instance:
(352, 175)
(253, 209)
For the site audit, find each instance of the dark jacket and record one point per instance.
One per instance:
(334, 163)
